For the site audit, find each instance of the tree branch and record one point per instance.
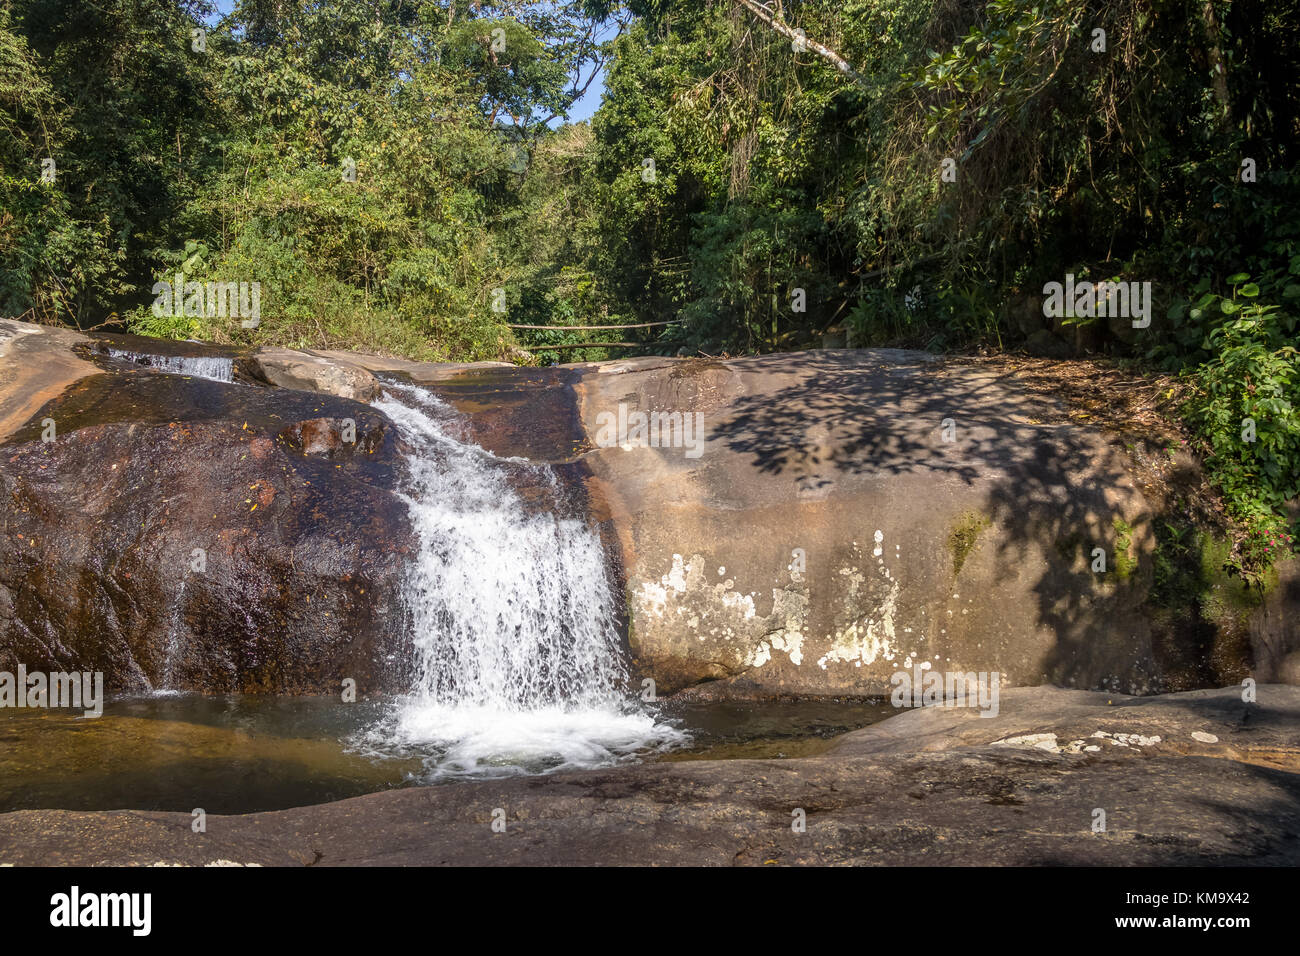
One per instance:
(780, 26)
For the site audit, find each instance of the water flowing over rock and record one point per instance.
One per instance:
(173, 357)
(216, 368)
(518, 660)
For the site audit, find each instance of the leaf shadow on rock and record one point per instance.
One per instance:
(1053, 490)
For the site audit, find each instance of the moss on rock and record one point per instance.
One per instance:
(962, 537)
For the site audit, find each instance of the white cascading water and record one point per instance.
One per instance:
(216, 368)
(172, 652)
(519, 666)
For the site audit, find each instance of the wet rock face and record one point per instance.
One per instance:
(512, 412)
(333, 438)
(191, 534)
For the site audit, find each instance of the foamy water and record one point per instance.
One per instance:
(519, 667)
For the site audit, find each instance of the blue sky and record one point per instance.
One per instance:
(583, 109)
(590, 102)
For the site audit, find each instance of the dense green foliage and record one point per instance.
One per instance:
(364, 161)
(914, 177)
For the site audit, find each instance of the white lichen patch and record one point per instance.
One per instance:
(689, 606)
(789, 613)
(214, 863)
(717, 614)
(1126, 740)
(742, 604)
(1030, 741)
(653, 598)
(792, 644)
(790, 608)
(1050, 743)
(867, 641)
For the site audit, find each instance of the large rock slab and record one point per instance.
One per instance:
(191, 534)
(1255, 725)
(36, 364)
(841, 515)
(955, 797)
(855, 513)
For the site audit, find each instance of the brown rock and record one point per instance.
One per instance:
(311, 371)
(302, 555)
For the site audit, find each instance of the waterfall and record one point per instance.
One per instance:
(173, 646)
(519, 667)
(200, 366)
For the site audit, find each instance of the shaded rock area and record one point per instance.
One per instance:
(1275, 626)
(930, 787)
(512, 412)
(190, 534)
(1044, 343)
